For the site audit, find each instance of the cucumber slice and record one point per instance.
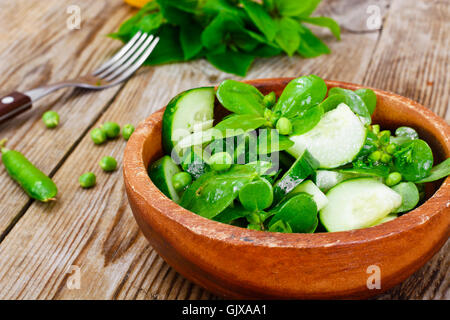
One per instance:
(327, 179)
(335, 140)
(190, 111)
(302, 168)
(309, 187)
(358, 203)
(161, 173)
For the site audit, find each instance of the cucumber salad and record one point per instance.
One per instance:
(310, 160)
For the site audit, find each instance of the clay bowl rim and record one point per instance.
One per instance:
(135, 174)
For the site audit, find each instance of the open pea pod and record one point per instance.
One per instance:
(354, 101)
(214, 191)
(299, 95)
(240, 98)
(298, 211)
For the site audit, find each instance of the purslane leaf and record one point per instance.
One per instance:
(307, 120)
(239, 124)
(299, 95)
(241, 98)
(260, 18)
(169, 47)
(287, 36)
(437, 172)
(172, 13)
(231, 62)
(215, 34)
(293, 8)
(214, 7)
(327, 23)
(230, 43)
(354, 101)
(190, 38)
(310, 45)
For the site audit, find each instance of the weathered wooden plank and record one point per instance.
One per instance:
(412, 56)
(412, 59)
(92, 229)
(36, 48)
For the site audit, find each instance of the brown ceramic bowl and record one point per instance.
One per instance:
(241, 263)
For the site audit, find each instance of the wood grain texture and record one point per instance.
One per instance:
(94, 229)
(33, 56)
(414, 43)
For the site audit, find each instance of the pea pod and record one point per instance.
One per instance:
(33, 181)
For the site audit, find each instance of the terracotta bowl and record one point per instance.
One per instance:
(241, 263)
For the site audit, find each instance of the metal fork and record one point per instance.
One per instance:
(121, 66)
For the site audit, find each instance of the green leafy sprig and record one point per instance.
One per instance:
(230, 34)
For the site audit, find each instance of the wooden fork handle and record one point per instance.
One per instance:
(13, 104)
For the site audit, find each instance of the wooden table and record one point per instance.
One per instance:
(92, 233)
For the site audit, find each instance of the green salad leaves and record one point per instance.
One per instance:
(230, 34)
(303, 159)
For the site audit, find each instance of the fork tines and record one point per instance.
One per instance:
(128, 59)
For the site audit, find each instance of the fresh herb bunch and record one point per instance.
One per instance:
(229, 33)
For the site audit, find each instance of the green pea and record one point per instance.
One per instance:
(50, 119)
(385, 158)
(181, 180)
(87, 180)
(391, 148)
(98, 136)
(269, 100)
(220, 161)
(108, 163)
(393, 179)
(284, 126)
(376, 128)
(127, 131)
(375, 156)
(112, 129)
